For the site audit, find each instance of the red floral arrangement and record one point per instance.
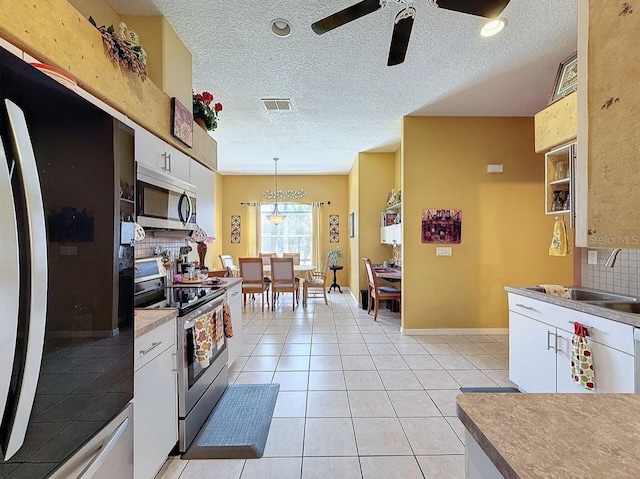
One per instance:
(202, 109)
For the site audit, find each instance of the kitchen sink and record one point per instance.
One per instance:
(593, 296)
(622, 306)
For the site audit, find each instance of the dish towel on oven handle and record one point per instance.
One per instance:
(582, 370)
(226, 320)
(218, 326)
(203, 336)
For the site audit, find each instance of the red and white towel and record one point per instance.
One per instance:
(582, 370)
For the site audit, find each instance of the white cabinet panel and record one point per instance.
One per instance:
(155, 402)
(179, 163)
(532, 359)
(235, 343)
(540, 348)
(149, 149)
(613, 369)
(203, 179)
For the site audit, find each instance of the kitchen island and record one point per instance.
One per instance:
(551, 436)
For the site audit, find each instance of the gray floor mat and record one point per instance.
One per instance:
(239, 424)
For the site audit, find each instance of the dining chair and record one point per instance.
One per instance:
(316, 284)
(283, 280)
(252, 273)
(226, 260)
(379, 293)
(295, 256)
(266, 257)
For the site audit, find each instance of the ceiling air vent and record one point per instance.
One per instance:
(276, 104)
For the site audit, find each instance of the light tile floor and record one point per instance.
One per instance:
(357, 399)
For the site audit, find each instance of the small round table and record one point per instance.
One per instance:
(335, 284)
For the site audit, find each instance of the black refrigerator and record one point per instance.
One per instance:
(66, 345)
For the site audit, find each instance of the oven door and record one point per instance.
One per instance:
(202, 357)
(164, 201)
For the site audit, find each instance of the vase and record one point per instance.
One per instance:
(201, 123)
(202, 252)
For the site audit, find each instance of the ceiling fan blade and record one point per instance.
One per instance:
(401, 35)
(347, 15)
(481, 8)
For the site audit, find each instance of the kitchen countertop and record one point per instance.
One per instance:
(619, 316)
(148, 319)
(556, 436)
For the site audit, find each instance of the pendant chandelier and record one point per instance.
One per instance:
(276, 217)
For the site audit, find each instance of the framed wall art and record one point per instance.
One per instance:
(235, 229)
(441, 226)
(334, 228)
(181, 122)
(566, 78)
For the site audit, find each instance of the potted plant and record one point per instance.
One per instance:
(335, 255)
(205, 114)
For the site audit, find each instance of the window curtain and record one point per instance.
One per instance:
(316, 235)
(254, 221)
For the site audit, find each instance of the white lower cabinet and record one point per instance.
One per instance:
(529, 357)
(540, 349)
(155, 399)
(234, 344)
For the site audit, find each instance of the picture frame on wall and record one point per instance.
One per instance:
(566, 78)
(352, 225)
(181, 122)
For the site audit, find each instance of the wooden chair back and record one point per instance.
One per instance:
(283, 279)
(295, 256)
(266, 257)
(384, 293)
(253, 281)
(226, 260)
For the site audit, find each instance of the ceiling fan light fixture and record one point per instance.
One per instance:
(493, 27)
(281, 27)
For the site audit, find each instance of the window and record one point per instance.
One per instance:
(292, 236)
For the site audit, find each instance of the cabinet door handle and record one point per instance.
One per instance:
(174, 362)
(169, 157)
(555, 345)
(235, 294)
(528, 308)
(153, 346)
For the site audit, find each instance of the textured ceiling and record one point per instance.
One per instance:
(344, 98)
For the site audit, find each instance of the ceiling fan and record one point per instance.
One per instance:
(404, 19)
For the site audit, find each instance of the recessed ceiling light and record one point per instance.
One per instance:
(493, 27)
(280, 27)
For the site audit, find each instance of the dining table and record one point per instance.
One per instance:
(389, 274)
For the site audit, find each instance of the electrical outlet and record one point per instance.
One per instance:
(592, 257)
(443, 250)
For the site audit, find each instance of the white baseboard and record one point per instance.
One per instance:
(452, 331)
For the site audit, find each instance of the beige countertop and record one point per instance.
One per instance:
(556, 436)
(619, 316)
(148, 319)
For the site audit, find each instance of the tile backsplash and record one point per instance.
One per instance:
(622, 278)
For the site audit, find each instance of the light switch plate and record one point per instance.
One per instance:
(443, 250)
(592, 257)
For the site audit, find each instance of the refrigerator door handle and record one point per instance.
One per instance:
(26, 164)
(103, 453)
(10, 277)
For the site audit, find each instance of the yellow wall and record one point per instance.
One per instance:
(177, 78)
(376, 179)
(100, 10)
(149, 29)
(354, 243)
(240, 189)
(505, 235)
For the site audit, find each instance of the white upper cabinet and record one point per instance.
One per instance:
(203, 179)
(154, 152)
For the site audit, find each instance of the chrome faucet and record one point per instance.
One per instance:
(611, 260)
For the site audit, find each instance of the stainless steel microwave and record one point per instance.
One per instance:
(163, 201)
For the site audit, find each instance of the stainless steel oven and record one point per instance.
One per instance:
(163, 201)
(202, 378)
